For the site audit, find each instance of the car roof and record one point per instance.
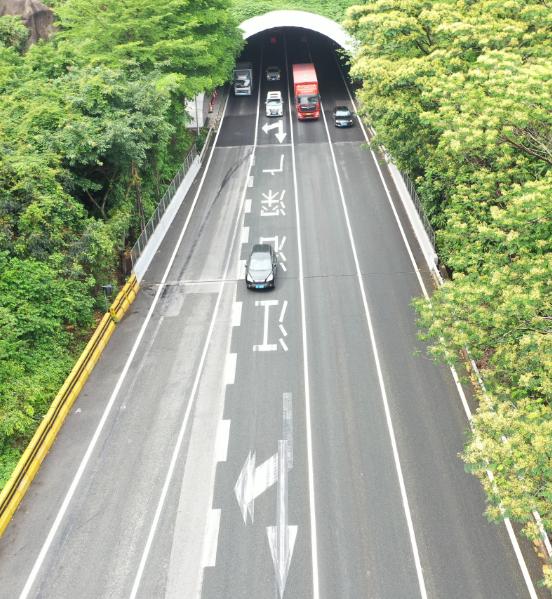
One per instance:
(273, 68)
(342, 108)
(274, 96)
(261, 248)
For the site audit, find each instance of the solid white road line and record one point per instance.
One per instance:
(86, 458)
(230, 369)
(513, 539)
(406, 506)
(221, 444)
(308, 424)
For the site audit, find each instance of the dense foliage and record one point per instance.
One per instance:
(333, 9)
(460, 94)
(92, 128)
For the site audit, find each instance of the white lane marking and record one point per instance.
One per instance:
(247, 206)
(245, 235)
(230, 369)
(211, 539)
(265, 346)
(240, 274)
(284, 332)
(221, 443)
(513, 539)
(287, 424)
(281, 537)
(193, 394)
(402, 486)
(283, 344)
(254, 481)
(283, 312)
(237, 314)
(250, 182)
(308, 425)
(273, 171)
(86, 458)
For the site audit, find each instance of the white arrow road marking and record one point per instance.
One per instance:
(273, 171)
(280, 136)
(281, 537)
(265, 346)
(253, 482)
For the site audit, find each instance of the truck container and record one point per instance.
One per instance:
(305, 91)
(243, 79)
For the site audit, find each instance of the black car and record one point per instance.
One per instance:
(343, 117)
(273, 74)
(260, 269)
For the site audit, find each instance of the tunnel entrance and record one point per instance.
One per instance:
(282, 19)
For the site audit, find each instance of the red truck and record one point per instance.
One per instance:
(305, 90)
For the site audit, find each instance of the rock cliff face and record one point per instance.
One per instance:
(37, 16)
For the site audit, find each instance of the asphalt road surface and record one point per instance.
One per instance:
(289, 443)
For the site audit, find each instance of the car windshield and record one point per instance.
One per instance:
(342, 112)
(276, 102)
(260, 262)
(307, 99)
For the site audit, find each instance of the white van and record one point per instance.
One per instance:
(274, 104)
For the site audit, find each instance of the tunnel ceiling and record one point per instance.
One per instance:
(297, 18)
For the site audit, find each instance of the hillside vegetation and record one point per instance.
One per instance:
(92, 128)
(460, 93)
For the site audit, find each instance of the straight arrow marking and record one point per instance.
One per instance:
(281, 537)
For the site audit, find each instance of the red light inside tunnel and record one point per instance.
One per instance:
(273, 39)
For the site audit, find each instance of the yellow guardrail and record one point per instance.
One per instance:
(45, 435)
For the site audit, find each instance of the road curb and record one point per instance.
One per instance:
(44, 437)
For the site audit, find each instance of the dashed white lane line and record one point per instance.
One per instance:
(240, 274)
(283, 312)
(245, 235)
(247, 206)
(237, 314)
(250, 181)
(230, 369)
(211, 539)
(221, 444)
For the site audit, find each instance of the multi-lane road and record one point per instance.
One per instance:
(291, 443)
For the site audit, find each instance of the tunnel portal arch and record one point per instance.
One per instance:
(297, 18)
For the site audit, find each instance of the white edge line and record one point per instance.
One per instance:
(308, 425)
(84, 462)
(402, 486)
(513, 539)
(193, 393)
